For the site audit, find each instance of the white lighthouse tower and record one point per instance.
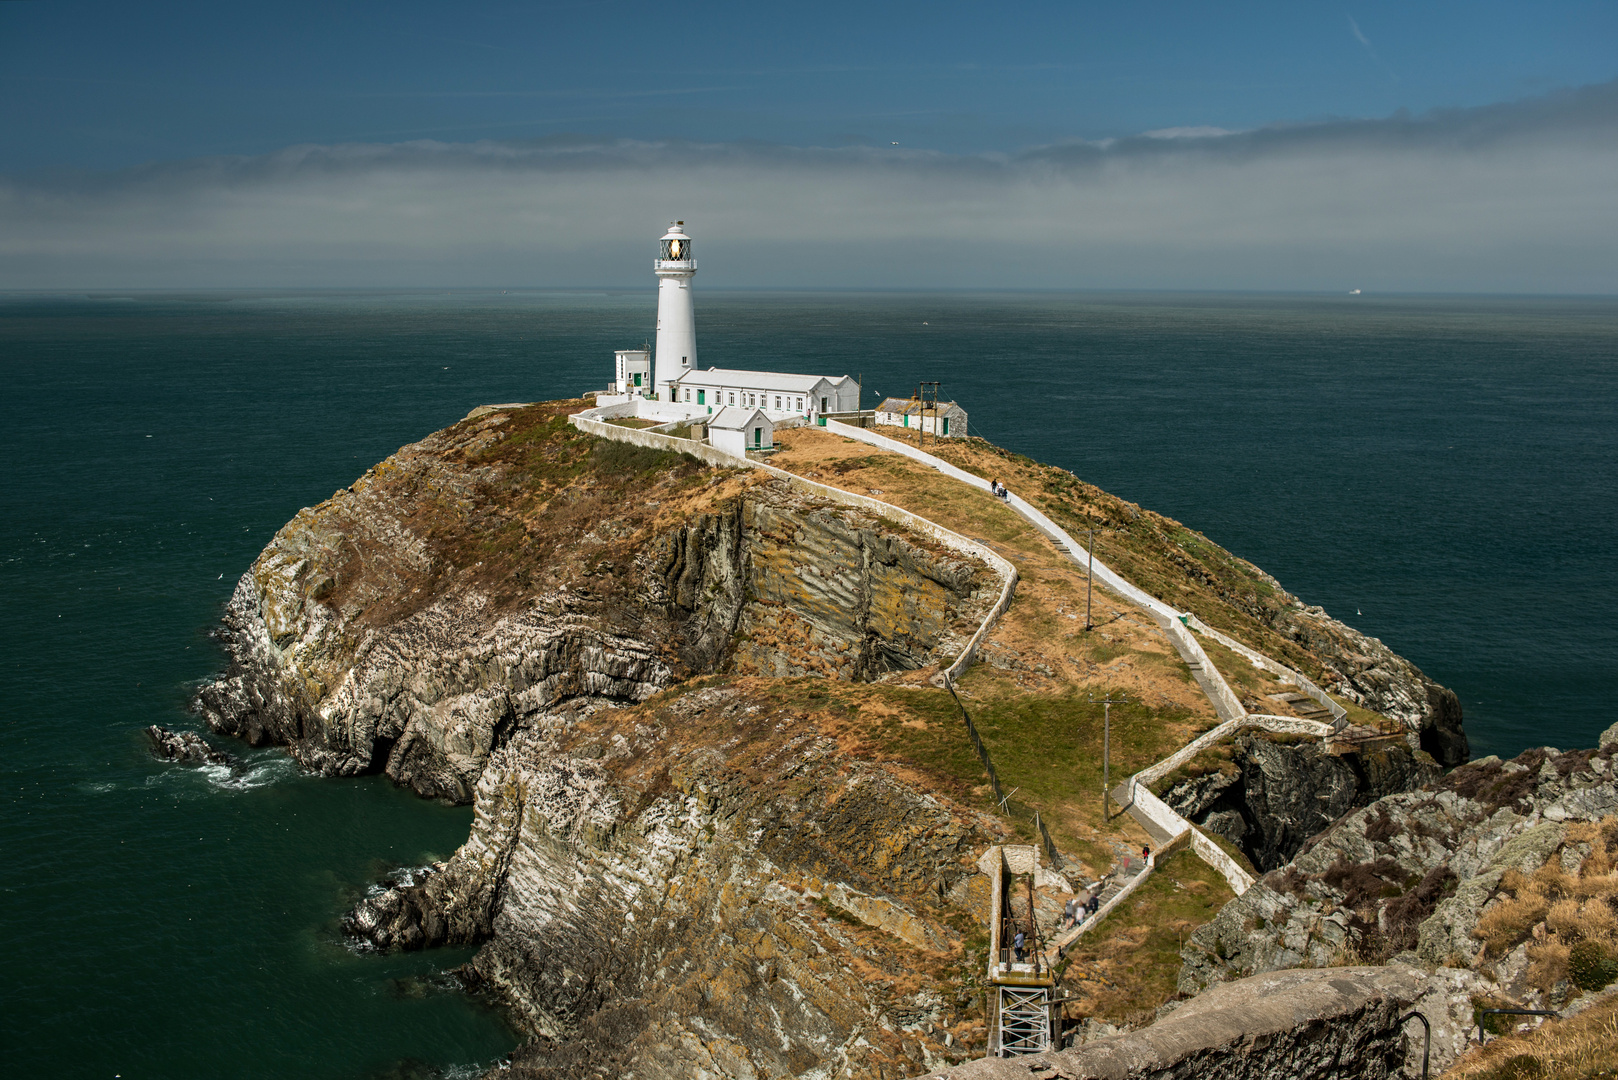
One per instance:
(676, 319)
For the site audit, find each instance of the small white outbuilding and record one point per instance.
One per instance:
(945, 420)
(736, 429)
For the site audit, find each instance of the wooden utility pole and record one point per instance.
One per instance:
(1106, 704)
(1090, 576)
(921, 398)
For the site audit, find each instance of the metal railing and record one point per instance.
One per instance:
(1427, 1045)
(1482, 1013)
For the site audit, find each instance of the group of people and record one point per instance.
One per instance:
(999, 489)
(1080, 907)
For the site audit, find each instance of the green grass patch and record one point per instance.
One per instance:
(1137, 949)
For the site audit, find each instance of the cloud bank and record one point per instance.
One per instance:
(1515, 197)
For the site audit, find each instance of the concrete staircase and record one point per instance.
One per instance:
(1303, 705)
(1111, 886)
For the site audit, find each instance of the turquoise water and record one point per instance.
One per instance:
(1444, 467)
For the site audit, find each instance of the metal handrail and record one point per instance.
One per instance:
(1511, 1012)
(1427, 1045)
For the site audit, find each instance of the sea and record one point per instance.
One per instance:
(1438, 471)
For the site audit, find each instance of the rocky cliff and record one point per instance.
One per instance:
(1269, 795)
(709, 884)
(509, 569)
(689, 857)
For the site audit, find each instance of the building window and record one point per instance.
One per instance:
(800, 404)
(733, 399)
(688, 393)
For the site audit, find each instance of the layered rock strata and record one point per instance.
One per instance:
(708, 884)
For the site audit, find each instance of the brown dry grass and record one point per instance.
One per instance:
(1162, 556)
(1554, 910)
(1584, 1047)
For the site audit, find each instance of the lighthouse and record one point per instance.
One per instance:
(676, 320)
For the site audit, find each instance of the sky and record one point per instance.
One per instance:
(1395, 147)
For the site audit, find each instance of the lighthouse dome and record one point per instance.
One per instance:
(675, 245)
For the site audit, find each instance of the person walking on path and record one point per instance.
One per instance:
(1070, 912)
(1017, 945)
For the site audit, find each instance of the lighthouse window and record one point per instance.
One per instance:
(685, 360)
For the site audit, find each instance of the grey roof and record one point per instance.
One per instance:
(736, 418)
(759, 380)
(912, 406)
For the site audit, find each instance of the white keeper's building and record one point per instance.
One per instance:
(668, 383)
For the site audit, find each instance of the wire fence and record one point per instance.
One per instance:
(1001, 798)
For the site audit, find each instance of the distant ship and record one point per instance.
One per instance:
(1353, 292)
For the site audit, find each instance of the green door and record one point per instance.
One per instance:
(758, 437)
(702, 397)
(946, 425)
(637, 378)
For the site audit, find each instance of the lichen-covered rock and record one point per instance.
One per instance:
(1365, 671)
(1334, 1024)
(1410, 874)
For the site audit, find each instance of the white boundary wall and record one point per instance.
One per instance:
(1165, 818)
(1219, 694)
(587, 421)
(1289, 725)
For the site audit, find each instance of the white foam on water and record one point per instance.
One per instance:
(258, 774)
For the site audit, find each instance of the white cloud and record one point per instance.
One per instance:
(1199, 132)
(1510, 197)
